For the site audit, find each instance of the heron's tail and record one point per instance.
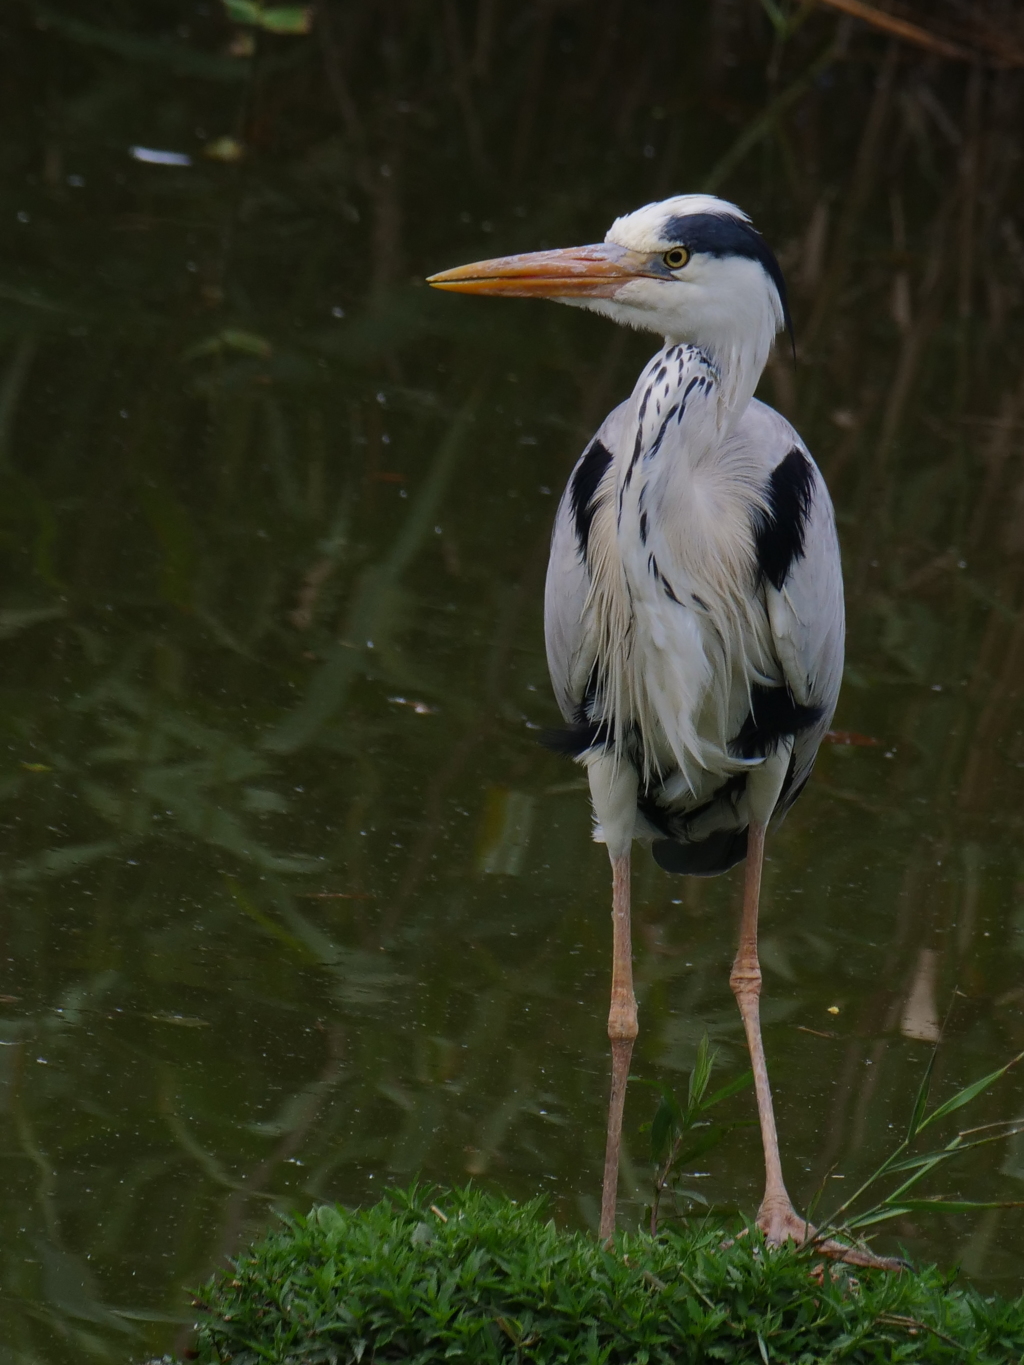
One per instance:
(722, 849)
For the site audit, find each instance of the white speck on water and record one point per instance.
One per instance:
(154, 156)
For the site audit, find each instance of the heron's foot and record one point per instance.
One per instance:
(780, 1223)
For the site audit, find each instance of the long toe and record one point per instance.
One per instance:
(859, 1256)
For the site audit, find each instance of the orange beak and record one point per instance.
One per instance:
(575, 272)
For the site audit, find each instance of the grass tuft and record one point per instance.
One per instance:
(430, 1276)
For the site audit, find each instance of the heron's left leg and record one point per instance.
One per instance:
(776, 1217)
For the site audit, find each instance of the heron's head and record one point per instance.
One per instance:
(691, 268)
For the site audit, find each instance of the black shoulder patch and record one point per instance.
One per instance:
(774, 714)
(586, 477)
(721, 234)
(779, 536)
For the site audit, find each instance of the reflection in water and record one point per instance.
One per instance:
(295, 904)
(920, 1018)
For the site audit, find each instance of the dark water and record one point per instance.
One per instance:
(294, 905)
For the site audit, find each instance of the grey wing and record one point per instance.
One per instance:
(807, 618)
(807, 624)
(570, 641)
(570, 652)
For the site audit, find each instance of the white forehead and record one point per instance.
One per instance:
(642, 230)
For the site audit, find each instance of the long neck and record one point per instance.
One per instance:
(736, 335)
(739, 363)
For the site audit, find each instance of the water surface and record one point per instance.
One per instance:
(295, 906)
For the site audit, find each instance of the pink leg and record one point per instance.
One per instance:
(776, 1217)
(622, 1031)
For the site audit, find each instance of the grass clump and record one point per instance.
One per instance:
(425, 1276)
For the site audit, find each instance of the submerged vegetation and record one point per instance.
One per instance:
(426, 1276)
(293, 900)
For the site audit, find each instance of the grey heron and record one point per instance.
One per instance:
(694, 617)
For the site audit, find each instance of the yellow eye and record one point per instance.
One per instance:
(676, 258)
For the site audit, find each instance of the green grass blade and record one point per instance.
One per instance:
(699, 1077)
(701, 1141)
(664, 1127)
(957, 1205)
(968, 1093)
(872, 1216)
(957, 1146)
(883, 1213)
(921, 1102)
(912, 1163)
(865, 1185)
(937, 1159)
(725, 1092)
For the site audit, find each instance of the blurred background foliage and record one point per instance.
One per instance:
(293, 901)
